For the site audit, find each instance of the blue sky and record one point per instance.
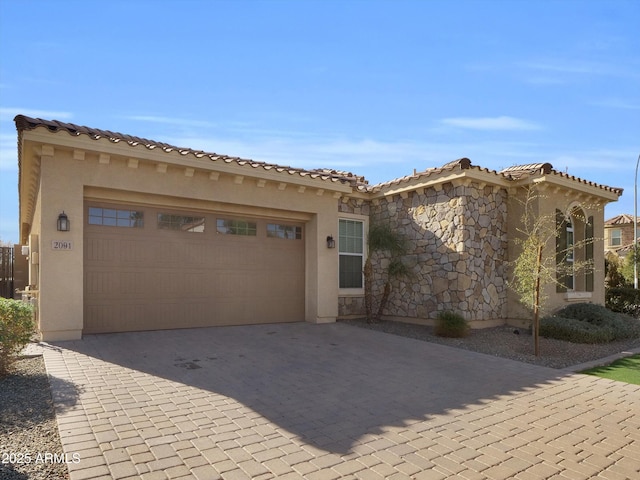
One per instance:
(374, 87)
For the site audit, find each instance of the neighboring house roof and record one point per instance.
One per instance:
(623, 250)
(622, 219)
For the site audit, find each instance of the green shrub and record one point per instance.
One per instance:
(16, 328)
(573, 330)
(588, 323)
(450, 324)
(588, 312)
(623, 300)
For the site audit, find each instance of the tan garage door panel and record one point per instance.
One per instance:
(148, 278)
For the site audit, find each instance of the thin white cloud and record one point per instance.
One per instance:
(618, 103)
(171, 121)
(581, 162)
(11, 112)
(377, 159)
(311, 152)
(490, 123)
(545, 80)
(234, 127)
(8, 161)
(577, 67)
(565, 67)
(8, 153)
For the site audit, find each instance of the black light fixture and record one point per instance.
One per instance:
(63, 222)
(331, 243)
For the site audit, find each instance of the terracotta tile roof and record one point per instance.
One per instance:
(615, 190)
(518, 171)
(624, 250)
(26, 123)
(623, 219)
(515, 172)
(341, 173)
(460, 164)
(359, 183)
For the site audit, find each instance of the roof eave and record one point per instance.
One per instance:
(207, 162)
(609, 194)
(477, 174)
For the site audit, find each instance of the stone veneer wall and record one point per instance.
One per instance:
(457, 255)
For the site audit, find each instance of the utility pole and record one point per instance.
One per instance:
(635, 228)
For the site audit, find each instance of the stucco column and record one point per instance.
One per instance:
(61, 253)
(322, 269)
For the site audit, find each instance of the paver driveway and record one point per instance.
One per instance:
(330, 401)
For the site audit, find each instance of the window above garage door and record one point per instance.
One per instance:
(182, 223)
(113, 217)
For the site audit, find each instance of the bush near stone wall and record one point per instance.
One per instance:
(451, 324)
(16, 328)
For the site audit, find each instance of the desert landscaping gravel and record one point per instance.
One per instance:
(508, 342)
(28, 428)
(29, 441)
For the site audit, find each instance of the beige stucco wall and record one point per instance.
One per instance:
(72, 169)
(547, 199)
(60, 271)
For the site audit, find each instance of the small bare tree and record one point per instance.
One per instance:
(532, 269)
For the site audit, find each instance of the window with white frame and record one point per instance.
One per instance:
(615, 240)
(351, 251)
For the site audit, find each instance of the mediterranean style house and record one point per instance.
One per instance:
(125, 233)
(618, 234)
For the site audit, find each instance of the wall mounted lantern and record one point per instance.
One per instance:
(63, 222)
(331, 243)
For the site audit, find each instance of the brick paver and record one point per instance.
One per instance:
(329, 401)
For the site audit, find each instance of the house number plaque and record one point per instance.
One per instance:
(61, 245)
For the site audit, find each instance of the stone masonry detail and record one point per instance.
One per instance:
(457, 252)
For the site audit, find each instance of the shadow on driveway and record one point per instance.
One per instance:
(328, 384)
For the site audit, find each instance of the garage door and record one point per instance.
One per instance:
(149, 269)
